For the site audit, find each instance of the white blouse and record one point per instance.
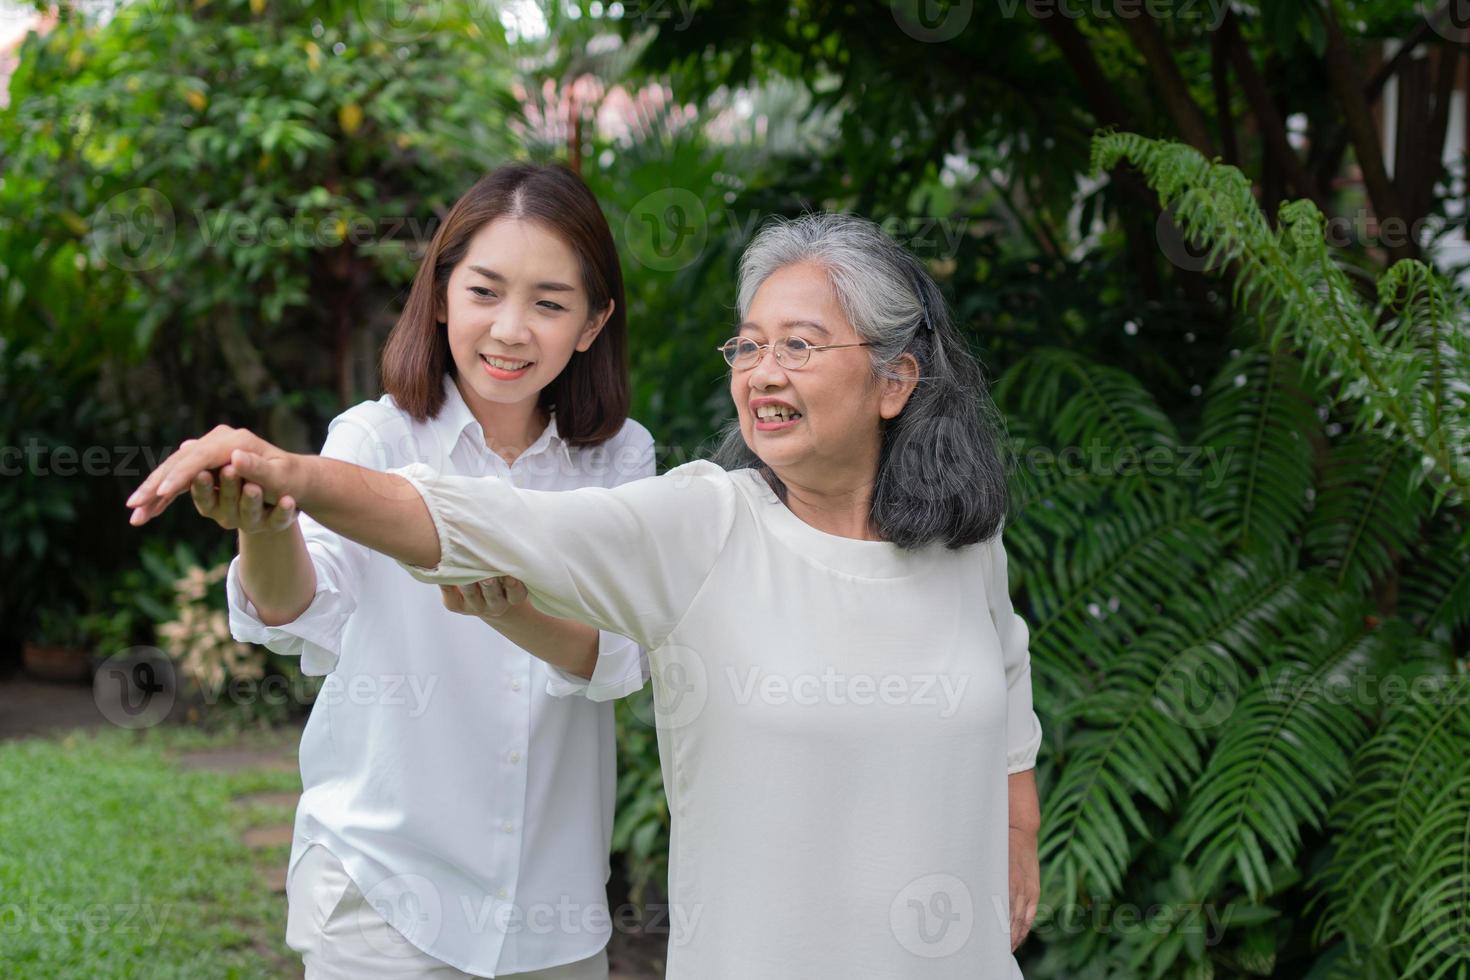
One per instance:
(472, 807)
(836, 717)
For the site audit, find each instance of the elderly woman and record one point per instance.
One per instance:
(842, 687)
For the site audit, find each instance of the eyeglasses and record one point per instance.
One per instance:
(791, 352)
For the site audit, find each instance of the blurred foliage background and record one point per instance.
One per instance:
(1228, 334)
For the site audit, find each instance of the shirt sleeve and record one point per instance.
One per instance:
(316, 635)
(628, 559)
(1023, 727)
(622, 668)
(622, 665)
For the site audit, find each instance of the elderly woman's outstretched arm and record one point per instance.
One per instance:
(380, 510)
(628, 559)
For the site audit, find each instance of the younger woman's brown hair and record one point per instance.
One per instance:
(592, 394)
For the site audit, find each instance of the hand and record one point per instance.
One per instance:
(254, 459)
(488, 598)
(236, 505)
(1025, 884)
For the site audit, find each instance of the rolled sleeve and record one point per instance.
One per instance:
(315, 636)
(622, 668)
(1023, 727)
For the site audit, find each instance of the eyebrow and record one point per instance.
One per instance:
(788, 325)
(552, 287)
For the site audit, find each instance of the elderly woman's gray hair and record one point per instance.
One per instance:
(941, 470)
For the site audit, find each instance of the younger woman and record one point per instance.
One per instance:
(456, 816)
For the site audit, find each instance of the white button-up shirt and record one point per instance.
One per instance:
(469, 799)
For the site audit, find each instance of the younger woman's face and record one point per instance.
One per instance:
(516, 309)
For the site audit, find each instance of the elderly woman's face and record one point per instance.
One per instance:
(837, 401)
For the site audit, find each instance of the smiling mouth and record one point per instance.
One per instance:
(505, 363)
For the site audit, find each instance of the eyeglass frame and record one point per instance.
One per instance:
(760, 351)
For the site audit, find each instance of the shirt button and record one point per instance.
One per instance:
(515, 757)
(508, 827)
(501, 894)
(515, 685)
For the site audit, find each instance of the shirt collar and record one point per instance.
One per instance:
(455, 419)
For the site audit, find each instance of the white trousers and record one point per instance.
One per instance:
(341, 937)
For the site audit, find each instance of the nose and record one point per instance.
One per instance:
(510, 326)
(767, 371)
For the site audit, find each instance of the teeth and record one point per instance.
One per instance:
(503, 364)
(775, 412)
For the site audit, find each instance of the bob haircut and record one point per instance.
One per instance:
(941, 468)
(592, 394)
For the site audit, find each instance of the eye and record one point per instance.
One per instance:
(796, 345)
(745, 348)
(482, 291)
(552, 306)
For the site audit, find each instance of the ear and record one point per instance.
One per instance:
(895, 393)
(441, 312)
(594, 326)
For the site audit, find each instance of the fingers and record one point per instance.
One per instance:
(282, 515)
(149, 487)
(206, 499)
(272, 473)
(172, 477)
(452, 598)
(492, 597)
(515, 590)
(229, 492)
(252, 505)
(489, 597)
(1023, 914)
(175, 474)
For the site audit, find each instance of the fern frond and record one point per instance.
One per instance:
(1411, 382)
(1436, 933)
(1053, 501)
(1397, 787)
(1287, 749)
(1434, 590)
(1144, 729)
(1366, 511)
(1090, 594)
(1101, 413)
(1259, 420)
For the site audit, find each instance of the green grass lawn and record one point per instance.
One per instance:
(117, 862)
